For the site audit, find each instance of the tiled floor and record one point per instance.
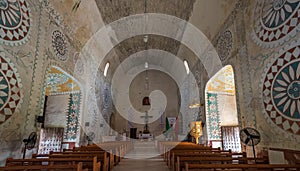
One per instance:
(141, 165)
(144, 157)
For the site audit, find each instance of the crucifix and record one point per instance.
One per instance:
(146, 131)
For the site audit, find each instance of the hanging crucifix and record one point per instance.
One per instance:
(146, 130)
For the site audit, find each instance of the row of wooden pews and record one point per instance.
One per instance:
(188, 156)
(101, 157)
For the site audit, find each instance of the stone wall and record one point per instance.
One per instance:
(38, 38)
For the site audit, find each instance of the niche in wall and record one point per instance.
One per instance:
(56, 111)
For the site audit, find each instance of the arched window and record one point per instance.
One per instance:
(186, 65)
(106, 69)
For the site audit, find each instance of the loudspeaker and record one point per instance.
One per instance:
(40, 119)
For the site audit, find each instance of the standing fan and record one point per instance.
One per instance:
(250, 137)
(90, 137)
(29, 142)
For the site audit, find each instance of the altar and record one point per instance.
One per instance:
(145, 136)
(146, 133)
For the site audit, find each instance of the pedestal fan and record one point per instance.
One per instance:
(250, 137)
(29, 142)
(90, 137)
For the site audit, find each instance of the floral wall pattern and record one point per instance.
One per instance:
(59, 45)
(10, 88)
(281, 90)
(223, 81)
(212, 117)
(72, 126)
(59, 83)
(224, 45)
(275, 22)
(14, 21)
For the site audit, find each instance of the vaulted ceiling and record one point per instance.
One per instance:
(112, 10)
(207, 16)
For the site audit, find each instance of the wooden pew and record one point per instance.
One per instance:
(85, 162)
(117, 149)
(165, 146)
(100, 157)
(185, 148)
(71, 167)
(242, 167)
(106, 158)
(198, 153)
(180, 163)
(168, 146)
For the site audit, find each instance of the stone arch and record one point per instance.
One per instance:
(59, 82)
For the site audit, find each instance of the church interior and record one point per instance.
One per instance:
(145, 80)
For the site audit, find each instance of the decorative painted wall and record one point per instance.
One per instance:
(58, 82)
(280, 90)
(272, 43)
(72, 127)
(213, 117)
(10, 89)
(275, 22)
(258, 38)
(223, 81)
(15, 22)
(59, 45)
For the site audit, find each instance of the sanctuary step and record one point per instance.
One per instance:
(142, 164)
(144, 156)
(143, 150)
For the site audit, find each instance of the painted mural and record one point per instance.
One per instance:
(72, 126)
(59, 45)
(224, 45)
(223, 81)
(10, 89)
(281, 90)
(15, 22)
(59, 83)
(275, 22)
(213, 117)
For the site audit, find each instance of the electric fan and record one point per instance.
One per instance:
(29, 142)
(90, 137)
(250, 137)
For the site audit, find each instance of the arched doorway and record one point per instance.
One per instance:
(221, 111)
(61, 113)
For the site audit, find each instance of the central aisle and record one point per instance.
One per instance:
(143, 157)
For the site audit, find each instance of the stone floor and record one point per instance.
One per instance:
(144, 157)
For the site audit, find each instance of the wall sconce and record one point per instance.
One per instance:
(40, 119)
(195, 105)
